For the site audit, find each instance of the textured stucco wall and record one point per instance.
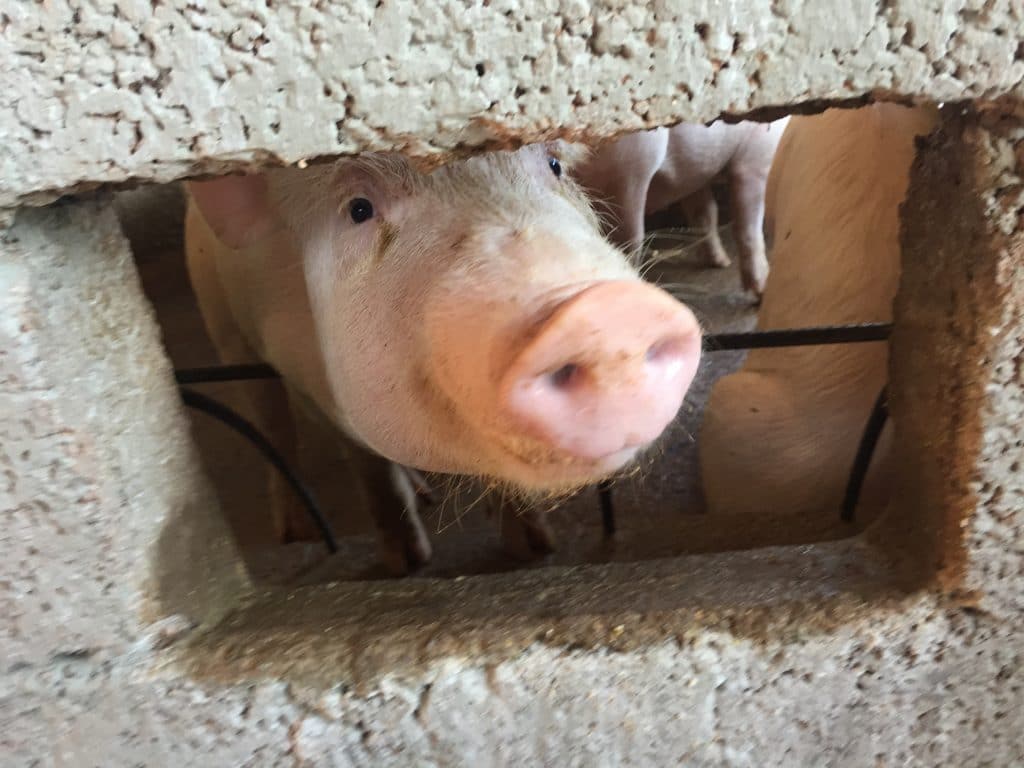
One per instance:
(129, 633)
(943, 694)
(902, 648)
(103, 503)
(105, 91)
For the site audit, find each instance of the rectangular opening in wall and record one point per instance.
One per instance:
(786, 421)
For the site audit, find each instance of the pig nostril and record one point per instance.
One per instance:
(665, 349)
(565, 376)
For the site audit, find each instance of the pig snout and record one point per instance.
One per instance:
(604, 374)
(598, 376)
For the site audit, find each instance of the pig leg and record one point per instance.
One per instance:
(701, 212)
(266, 403)
(525, 534)
(276, 419)
(620, 176)
(402, 543)
(627, 203)
(747, 188)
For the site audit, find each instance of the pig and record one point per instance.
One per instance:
(790, 420)
(470, 320)
(648, 171)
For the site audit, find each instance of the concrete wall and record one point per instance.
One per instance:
(103, 91)
(104, 505)
(130, 633)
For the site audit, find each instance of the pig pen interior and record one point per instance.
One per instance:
(659, 507)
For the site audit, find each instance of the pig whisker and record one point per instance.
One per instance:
(689, 241)
(526, 499)
(449, 499)
(670, 254)
(645, 246)
(603, 211)
(443, 526)
(484, 494)
(508, 500)
(678, 427)
(465, 484)
(550, 509)
(462, 484)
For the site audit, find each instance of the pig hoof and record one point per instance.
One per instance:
(400, 558)
(755, 285)
(526, 536)
(754, 274)
(291, 518)
(715, 252)
(719, 258)
(404, 548)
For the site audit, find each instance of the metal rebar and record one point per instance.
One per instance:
(798, 337)
(715, 342)
(226, 415)
(216, 373)
(866, 449)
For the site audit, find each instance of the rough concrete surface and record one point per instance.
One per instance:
(98, 471)
(109, 91)
(132, 633)
(916, 683)
(900, 647)
(960, 313)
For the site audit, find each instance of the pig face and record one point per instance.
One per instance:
(472, 320)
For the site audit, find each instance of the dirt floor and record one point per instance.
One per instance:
(659, 511)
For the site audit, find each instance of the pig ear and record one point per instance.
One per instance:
(237, 208)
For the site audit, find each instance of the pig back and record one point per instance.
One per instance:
(696, 154)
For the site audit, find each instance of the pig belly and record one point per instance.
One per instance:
(696, 155)
(781, 433)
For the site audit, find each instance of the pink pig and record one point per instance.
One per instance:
(648, 171)
(782, 432)
(471, 320)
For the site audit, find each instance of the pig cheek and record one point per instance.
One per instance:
(335, 278)
(387, 397)
(364, 314)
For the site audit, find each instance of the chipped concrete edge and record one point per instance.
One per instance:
(153, 94)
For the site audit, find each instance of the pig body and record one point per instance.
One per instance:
(471, 320)
(255, 308)
(782, 432)
(648, 171)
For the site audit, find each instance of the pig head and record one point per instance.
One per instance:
(471, 320)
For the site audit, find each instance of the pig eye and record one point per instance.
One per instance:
(360, 210)
(555, 166)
